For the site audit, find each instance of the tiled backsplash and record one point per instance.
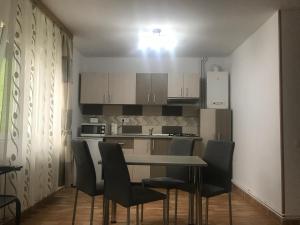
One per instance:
(160, 118)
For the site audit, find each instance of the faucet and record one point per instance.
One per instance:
(151, 131)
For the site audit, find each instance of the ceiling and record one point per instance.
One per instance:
(109, 28)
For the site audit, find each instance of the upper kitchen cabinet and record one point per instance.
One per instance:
(151, 88)
(107, 88)
(184, 85)
(121, 88)
(94, 88)
(159, 87)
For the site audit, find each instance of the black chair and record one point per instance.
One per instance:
(117, 185)
(9, 199)
(86, 176)
(218, 174)
(176, 177)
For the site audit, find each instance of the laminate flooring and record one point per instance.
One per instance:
(57, 210)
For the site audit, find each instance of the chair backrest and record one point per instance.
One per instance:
(117, 186)
(85, 170)
(218, 155)
(183, 147)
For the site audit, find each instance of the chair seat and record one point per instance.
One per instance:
(98, 191)
(163, 182)
(169, 183)
(141, 195)
(210, 190)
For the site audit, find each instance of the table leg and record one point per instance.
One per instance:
(191, 198)
(197, 195)
(113, 212)
(200, 195)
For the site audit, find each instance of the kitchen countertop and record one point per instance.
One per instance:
(154, 136)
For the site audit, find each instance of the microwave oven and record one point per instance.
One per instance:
(93, 129)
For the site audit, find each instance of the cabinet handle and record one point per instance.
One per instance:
(104, 98)
(187, 92)
(152, 144)
(148, 98)
(154, 98)
(181, 92)
(109, 97)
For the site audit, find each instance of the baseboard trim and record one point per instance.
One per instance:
(291, 221)
(35, 206)
(249, 198)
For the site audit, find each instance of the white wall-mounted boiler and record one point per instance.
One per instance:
(217, 95)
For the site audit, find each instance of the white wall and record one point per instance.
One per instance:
(148, 65)
(256, 115)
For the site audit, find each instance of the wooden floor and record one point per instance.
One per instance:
(58, 211)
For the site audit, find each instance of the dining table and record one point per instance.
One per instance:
(195, 163)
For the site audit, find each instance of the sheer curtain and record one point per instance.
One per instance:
(39, 115)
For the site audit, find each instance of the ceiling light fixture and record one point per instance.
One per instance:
(157, 39)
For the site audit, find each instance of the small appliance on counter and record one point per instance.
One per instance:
(114, 128)
(93, 129)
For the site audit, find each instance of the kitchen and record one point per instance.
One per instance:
(228, 71)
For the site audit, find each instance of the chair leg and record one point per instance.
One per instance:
(191, 209)
(137, 215)
(206, 215)
(168, 206)
(92, 211)
(18, 211)
(75, 207)
(165, 212)
(128, 216)
(105, 211)
(176, 202)
(142, 212)
(230, 208)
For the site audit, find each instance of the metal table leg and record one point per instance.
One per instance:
(113, 212)
(200, 195)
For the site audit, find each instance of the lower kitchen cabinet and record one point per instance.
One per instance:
(159, 147)
(141, 147)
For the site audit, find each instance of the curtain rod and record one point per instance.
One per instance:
(51, 15)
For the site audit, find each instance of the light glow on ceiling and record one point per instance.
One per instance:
(157, 39)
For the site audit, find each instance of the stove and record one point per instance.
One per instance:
(183, 134)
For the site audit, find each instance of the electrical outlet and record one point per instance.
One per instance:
(125, 120)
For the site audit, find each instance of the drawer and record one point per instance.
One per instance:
(124, 142)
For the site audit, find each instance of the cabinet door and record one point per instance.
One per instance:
(121, 88)
(175, 85)
(141, 147)
(143, 88)
(159, 88)
(159, 147)
(191, 85)
(94, 88)
(129, 151)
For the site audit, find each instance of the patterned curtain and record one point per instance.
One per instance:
(39, 116)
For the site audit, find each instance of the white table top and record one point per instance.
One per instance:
(164, 160)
